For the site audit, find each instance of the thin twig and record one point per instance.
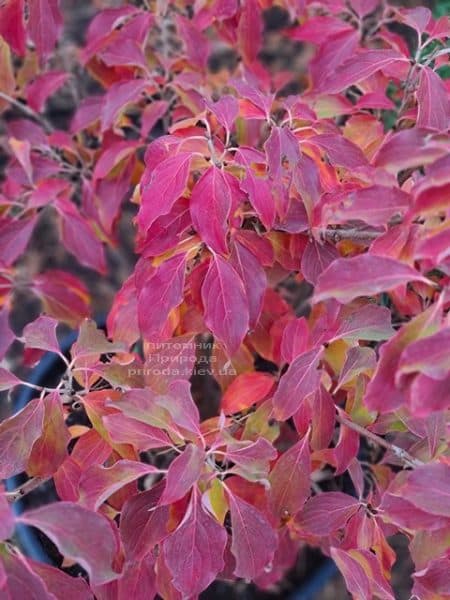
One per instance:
(29, 112)
(25, 488)
(396, 450)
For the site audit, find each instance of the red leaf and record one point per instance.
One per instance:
(143, 523)
(98, 483)
(44, 32)
(428, 488)
(66, 524)
(363, 275)
(79, 238)
(326, 513)
(295, 339)
(290, 480)
(382, 393)
(117, 97)
(183, 472)
(245, 390)
(161, 293)
(211, 202)
(17, 436)
(249, 30)
(433, 101)
(253, 540)
(17, 580)
(42, 87)
(300, 381)
(12, 26)
(253, 277)
(59, 584)
(340, 151)
(167, 183)
(358, 68)
(50, 450)
(194, 551)
(225, 301)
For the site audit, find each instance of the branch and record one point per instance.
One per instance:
(25, 488)
(341, 233)
(399, 452)
(29, 112)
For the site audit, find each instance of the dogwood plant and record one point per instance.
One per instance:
(325, 422)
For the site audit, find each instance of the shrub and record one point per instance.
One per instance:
(229, 415)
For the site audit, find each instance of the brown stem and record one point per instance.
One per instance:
(341, 233)
(396, 450)
(25, 488)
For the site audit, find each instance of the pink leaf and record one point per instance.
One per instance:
(14, 237)
(295, 339)
(79, 238)
(370, 322)
(290, 479)
(261, 198)
(124, 430)
(253, 540)
(44, 86)
(340, 151)
(6, 518)
(44, 32)
(194, 551)
(363, 275)
(429, 356)
(17, 436)
(211, 201)
(428, 488)
(316, 258)
(249, 30)
(226, 305)
(7, 380)
(59, 584)
(225, 110)
(435, 248)
(6, 334)
(326, 513)
(167, 183)
(161, 293)
(98, 483)
(433, 101)
(251, 459)
(427, 395)
(375, 205)
(183, 472)
(300, 381)
(253, 277)
(17, 580)
(66, 524)
(41, 334)
(117, 97)
(358, 68)
(358, 360)
(363, 574)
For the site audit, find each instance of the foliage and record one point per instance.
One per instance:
(332, 170)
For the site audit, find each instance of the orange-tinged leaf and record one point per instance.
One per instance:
(246, 389)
